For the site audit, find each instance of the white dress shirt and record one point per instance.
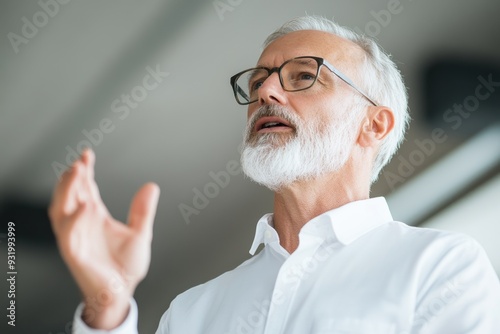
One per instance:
(355, 271)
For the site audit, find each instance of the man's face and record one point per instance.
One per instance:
(318, 124)
(328, 97)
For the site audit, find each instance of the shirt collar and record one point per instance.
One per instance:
(264, 232)
(346, 223)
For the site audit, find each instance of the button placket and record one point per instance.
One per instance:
(290, 275)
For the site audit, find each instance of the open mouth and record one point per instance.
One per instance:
(272, 124)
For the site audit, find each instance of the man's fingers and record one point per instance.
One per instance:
(68, 222)
(88, 158)
(65, 199)
(70, 235)
(143, 208)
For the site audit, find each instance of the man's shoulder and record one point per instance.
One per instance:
(431, 244)
(425, 235)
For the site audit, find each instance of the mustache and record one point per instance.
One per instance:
(272, 110)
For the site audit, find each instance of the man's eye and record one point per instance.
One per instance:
(256, 85)
(295, 78)
(306, 76)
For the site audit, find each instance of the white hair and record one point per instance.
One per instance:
(382, 80)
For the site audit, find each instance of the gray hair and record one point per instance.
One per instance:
(382, 80)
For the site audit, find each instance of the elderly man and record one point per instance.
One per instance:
(326, 111)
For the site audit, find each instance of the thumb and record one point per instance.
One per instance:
(143, 208)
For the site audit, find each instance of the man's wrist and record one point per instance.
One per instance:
(103, 322)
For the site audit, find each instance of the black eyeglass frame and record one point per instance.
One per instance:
(321, 61)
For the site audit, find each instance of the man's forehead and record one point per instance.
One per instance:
(309, 43)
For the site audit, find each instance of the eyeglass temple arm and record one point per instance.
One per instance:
(348, 81)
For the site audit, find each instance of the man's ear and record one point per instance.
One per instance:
(377, 124)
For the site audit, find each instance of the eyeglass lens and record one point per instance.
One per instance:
(296, 74)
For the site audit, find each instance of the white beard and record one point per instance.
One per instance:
(276, 160)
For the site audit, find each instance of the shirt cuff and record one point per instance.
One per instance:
(128, 326)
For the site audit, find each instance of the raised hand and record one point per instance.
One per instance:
(107, 258)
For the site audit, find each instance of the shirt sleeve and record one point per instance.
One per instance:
(129, 326)
(460, 295)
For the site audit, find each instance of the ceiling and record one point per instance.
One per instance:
(68, 78)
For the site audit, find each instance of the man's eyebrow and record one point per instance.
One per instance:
(306, 62)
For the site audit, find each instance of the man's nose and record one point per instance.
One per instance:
(271, 91)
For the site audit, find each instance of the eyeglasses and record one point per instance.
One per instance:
(295, 74)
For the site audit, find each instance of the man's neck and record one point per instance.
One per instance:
(297, 204)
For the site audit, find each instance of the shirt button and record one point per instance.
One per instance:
(268, 235)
